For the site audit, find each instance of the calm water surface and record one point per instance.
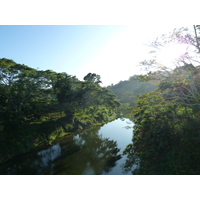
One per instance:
(96, 151)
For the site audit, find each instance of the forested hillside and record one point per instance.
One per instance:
(128, 91)
(37, 106)
(167, 130)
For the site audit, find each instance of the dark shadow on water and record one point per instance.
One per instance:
(84, 153)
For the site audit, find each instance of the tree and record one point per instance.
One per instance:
(24, 91)
(185, 70)
(182, 38)
(196, 37)
(165, 137)
(127, 91)
(167, 120)
(92, 77)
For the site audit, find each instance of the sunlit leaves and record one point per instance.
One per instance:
(172, 50)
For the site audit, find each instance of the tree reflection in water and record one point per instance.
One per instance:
(96, 155)
(84, 153)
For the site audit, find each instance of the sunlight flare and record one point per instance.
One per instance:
(171, 54)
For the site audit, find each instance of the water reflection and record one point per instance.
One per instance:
(95, 156)
(85, 153)
(49, 155)
(39, 163)
(94, 151)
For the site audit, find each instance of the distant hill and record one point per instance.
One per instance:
(127, 91)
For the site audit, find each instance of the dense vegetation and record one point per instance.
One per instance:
(167, 130)
(38, 106)
(127, 91)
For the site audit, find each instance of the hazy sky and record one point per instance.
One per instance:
(112, 51)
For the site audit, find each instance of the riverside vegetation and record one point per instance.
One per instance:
(167, 120)
(36, 107)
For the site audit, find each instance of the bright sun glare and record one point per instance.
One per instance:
(174, 52)
(117, 60)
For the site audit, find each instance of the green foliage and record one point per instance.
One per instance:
(57, 101)
(127, 92)
(166, 137)
(167, 132)
(20, 87)
(92, 77)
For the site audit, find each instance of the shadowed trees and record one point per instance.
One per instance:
(166, 132)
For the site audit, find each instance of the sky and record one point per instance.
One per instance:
(111, 51)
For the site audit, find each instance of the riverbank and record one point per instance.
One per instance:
(16, 140)
(91, 151)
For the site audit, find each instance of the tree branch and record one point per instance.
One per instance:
(195, 31)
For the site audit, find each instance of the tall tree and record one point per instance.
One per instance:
(23, 91)
(186, 66)
(92, 77)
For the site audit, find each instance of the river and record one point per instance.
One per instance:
(95, 151)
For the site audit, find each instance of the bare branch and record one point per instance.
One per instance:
(197, 41)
